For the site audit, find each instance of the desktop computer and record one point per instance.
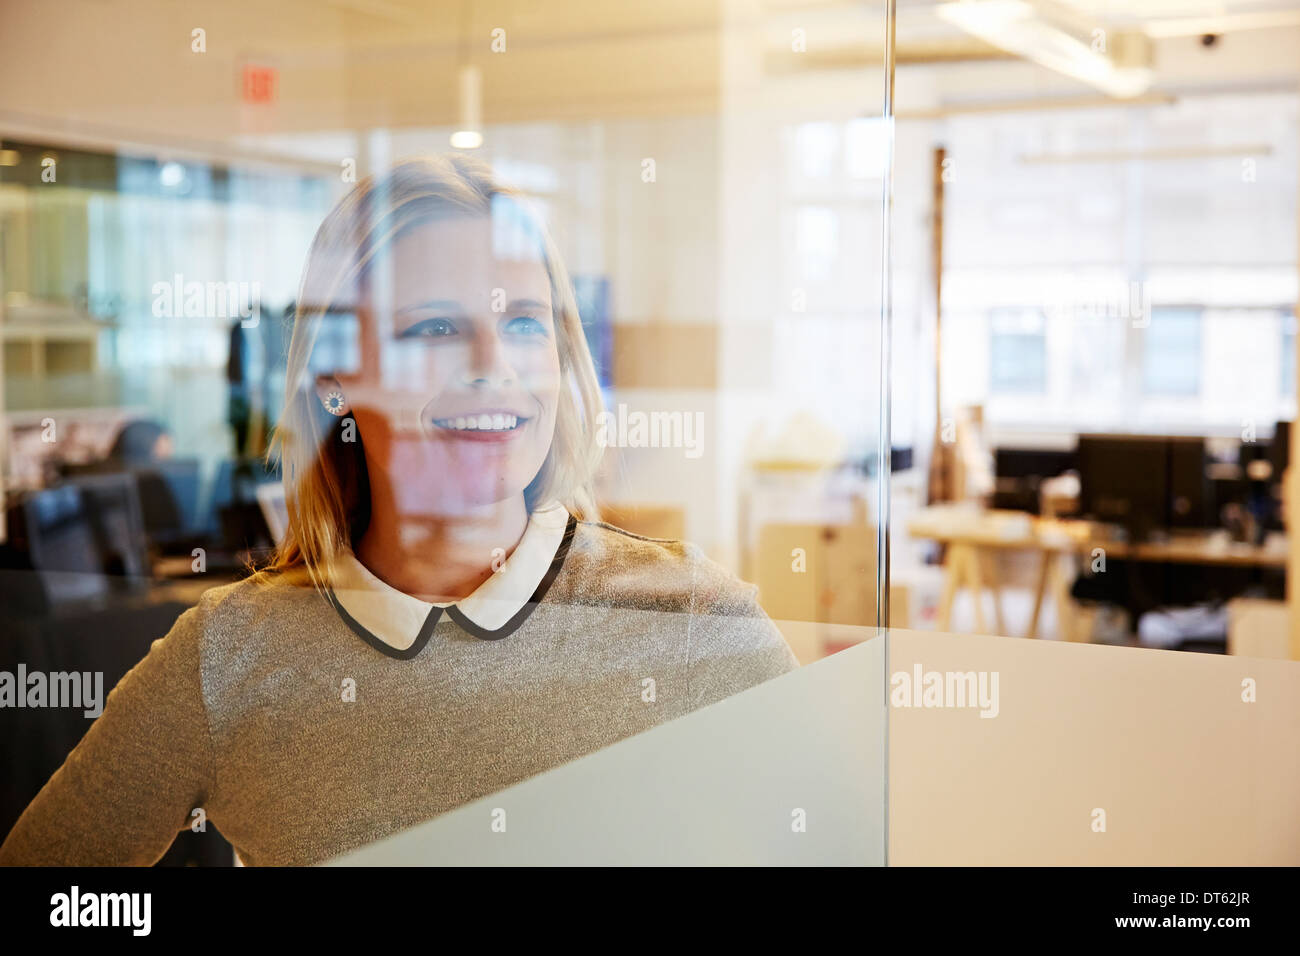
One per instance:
(1280, 449)
(169, 493)
(1146, 484)
(82, 540)
(1018, 473)
(1188, 484)
(1153, 485)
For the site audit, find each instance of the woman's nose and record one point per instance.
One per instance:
(488, 363)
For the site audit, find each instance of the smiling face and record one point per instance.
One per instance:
(459, 379)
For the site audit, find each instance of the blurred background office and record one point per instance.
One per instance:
(1092, 279)
(1104, 403)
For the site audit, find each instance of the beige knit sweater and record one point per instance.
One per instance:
(244, 710)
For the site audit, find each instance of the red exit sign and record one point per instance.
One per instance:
(259, 84)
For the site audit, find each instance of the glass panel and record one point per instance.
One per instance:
(1094, 357)
(532, 352)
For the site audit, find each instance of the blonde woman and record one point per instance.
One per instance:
(440, 622)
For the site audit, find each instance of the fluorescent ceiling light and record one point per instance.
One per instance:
(1014, 26)
(466, 139)
(468, 133)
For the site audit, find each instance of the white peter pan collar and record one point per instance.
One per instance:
(399, 625)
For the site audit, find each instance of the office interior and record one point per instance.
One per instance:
(1074, 228)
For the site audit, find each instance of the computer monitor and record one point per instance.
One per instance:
(61, 546)
(1032, 462)
(234, 510)
(1188, 485)
(1018, 472)
(168, 493)
(83, 538)
(1280, 449)
(169, 500)
(112, 504)
(1144, 483)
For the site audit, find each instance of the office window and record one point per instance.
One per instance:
(1096, 346)
(1171, 353)
(866, 143)
(817, 241)
(817, 147)
(1017, 352)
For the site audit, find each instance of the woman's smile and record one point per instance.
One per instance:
(484, 425)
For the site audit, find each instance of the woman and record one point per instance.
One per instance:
(439, 623)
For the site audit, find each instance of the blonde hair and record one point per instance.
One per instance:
(325, 480)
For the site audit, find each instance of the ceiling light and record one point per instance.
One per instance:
(1014, 26)
(468, 133)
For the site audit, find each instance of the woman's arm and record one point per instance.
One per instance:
(133, 781)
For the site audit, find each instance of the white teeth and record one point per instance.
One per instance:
(484, 422)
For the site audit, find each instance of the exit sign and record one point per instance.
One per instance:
(259, 84)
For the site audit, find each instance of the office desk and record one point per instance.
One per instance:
(973, 534)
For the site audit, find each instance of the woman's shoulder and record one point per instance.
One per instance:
(731, 642)
(239, 608)
(257, 591)
(660, 573)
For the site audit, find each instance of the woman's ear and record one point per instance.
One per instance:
(331, 395)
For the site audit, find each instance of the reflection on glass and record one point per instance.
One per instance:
(445, 614)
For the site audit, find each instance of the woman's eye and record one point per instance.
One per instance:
(526, 325)
(430, 329)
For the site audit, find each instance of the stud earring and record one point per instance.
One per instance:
(334, 403)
